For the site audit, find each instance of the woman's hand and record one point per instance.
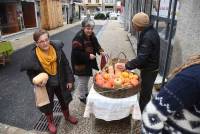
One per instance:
(92, 56)
(69, 86)
(42, 84)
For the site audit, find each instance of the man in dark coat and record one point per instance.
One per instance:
(47, 56)
(85, 46)
(147, 59)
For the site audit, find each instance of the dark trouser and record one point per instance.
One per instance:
(148, 78)
(49, 107)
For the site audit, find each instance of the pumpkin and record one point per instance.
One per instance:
(131, 75)
(127, 85)
(135, 76)
(98, 76)
(126, 80)
(107, 84)
(125, 74)
(106, 76)
(134, 82)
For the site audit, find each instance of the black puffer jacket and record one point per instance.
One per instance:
(148, 51)
(82, 47)
(33, 67)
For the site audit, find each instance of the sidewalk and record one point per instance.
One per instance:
(113, 39)
(27, 38)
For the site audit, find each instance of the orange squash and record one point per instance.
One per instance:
(125, 74)
(98, 76)
(134, 82)
(107, 84)
(135, 76)
(106, 76)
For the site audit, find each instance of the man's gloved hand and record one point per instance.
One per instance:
(92, 56)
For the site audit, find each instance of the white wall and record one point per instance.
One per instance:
(187, 38)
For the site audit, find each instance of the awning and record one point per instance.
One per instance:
(77, 3)
(108, 4)
(92, 5)
(28, 0)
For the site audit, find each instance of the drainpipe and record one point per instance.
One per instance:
(158, 14)
(169, 42)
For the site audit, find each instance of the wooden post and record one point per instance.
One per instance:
(51, 14)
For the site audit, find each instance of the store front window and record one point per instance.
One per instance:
(11, 18)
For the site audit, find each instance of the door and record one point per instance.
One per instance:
(28, 9)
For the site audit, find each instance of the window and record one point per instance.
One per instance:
(89, 1)
(97, 1)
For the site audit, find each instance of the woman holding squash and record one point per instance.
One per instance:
(85, 46)
(48, 57)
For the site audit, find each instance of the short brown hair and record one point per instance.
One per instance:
(38, 33)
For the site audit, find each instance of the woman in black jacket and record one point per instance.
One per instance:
(47, 56)
(85, 46)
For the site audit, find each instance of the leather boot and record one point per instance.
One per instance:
(69, 118)
(51, 125)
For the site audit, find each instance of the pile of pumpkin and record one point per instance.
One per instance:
(113, 78)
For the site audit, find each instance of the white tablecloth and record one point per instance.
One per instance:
(110, 109)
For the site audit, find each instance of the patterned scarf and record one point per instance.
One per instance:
(48, 60)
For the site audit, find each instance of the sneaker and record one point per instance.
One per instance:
(83, 100)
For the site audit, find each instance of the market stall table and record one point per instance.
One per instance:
(110, 109)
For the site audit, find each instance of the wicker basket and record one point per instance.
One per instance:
(120, 92)
(116, 93)
(119, 59)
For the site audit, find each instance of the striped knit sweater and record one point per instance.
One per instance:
(176, 109)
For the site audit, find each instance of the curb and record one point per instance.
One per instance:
(7, 129)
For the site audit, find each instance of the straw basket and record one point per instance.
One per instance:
(119, 92)
(116, 93)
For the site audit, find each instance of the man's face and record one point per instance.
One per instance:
(88, 30)
(43, 42)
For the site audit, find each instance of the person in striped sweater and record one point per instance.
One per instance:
(176, 108)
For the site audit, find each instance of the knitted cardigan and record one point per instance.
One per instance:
(176, 109)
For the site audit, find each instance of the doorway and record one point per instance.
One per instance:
(28, 9)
